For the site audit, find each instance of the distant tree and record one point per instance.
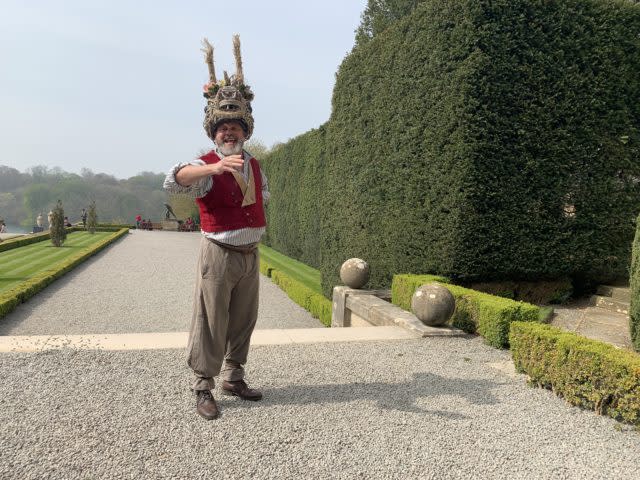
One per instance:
(58, 232)
(92, 217)
(36, 198)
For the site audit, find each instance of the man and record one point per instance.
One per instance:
(230, 190)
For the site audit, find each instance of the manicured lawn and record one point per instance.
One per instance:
(309, 277)
(20, 264)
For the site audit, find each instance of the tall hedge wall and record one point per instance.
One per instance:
(634, 312)
(295, 172)
(487, 139)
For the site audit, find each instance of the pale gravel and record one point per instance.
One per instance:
(142, 283)
(429, 408)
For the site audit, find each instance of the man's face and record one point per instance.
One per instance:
(230, 137)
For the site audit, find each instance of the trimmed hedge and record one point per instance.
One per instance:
(488, 315)
(487, 140)
(634, 283)
(23, 240)
(115, 225)
(313, 302)
(295, 172)
(10, 299)
(39, 237)
(586, 373)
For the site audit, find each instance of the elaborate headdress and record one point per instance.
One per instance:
(229, 98)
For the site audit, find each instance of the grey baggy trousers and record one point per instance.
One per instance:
(225, 310)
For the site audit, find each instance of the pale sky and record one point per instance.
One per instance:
(116, 86)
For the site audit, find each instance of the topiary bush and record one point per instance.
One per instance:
(92, 217)
(58, 232)
(634, 283)
(585, 372)
(295, 172)
(487, 140)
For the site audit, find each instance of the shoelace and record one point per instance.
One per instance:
(204, 396)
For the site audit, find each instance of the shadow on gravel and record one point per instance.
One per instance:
(401, 396)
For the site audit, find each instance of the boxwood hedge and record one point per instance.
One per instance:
(488, 315)
(478, 139)
(10, 299)
(634, 311)
(587, 373)
(295, 172)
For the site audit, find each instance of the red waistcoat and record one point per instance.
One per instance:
(221, 209)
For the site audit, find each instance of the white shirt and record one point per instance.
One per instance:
(200, 188)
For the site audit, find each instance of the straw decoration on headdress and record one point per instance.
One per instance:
(238, 56)
(229, 98)
(208, 58)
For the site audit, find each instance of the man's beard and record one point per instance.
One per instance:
(235, 150)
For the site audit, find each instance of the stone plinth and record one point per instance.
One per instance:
(170, 224)
(352, 306)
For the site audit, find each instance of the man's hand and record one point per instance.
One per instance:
(229, 164)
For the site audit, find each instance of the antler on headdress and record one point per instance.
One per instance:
(238, 56)
(208, 58)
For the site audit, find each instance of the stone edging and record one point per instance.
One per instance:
(352, 306)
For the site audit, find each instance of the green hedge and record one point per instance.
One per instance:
(10, 299)
(115, 225)
(295, 172)
(585, 372)
(23, 240)
(488, 315)
(39, 237)
(462, 137)
(313, 302)
(634, 281)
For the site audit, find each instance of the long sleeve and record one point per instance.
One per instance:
(196, 190)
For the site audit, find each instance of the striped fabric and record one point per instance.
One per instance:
(240, 237)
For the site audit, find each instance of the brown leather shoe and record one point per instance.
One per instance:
(242, 390)
(206, 405)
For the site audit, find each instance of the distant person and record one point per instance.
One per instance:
(83, 216)
(230, 190)
(67, 223)
(3, 228)
(138, 220)
(39, 220)
(50, 218)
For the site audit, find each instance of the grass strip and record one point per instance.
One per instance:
(311, 300)
(21, 264)
(587, 373)
(20, 293)
(28, 239)
(298, 271)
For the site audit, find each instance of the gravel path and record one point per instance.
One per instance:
(143, 283)
(430, 408)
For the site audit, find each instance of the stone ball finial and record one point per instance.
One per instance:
(354, 273)
(433, 304)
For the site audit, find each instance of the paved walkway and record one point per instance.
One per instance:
(406, 408)
(593, 322)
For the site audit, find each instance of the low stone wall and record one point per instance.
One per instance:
(353, 308)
